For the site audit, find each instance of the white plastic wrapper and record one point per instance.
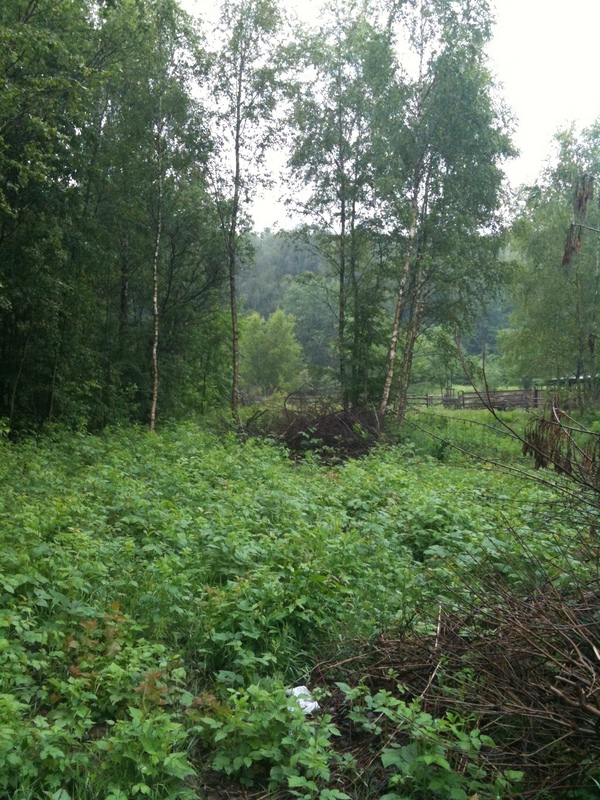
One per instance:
(305, 699)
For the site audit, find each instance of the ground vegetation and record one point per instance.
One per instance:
(161, 593)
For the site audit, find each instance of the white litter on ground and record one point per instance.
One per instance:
(305, 699)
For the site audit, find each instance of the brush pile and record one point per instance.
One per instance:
(525, 670)
(331, 432)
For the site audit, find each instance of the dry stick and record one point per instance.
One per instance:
(335, 665)
(562, 427)
(573, 703)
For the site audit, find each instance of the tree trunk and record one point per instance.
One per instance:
(407, 356)
(52, 389)
(400, 300)
(593, 336)
(235, 341)
(342, 297)
(124, 293)
(232, 246)
(155, 313)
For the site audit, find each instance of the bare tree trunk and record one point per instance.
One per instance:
(342, 308)
(13, 395)
(400, 300)
(593, 336)
(407, 356)
(124, 294)
(232, 247)
(155, 313)
(235, 341)
(342, 256)
(357, 313)
(52, 389)
(419, 169)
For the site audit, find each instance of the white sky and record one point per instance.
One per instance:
(545, 55)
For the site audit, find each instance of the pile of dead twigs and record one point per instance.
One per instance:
(561, 442)
(525, 669)
(331, 432)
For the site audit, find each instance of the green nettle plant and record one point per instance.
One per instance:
(262, 732)
(159, 594)
(441, 756)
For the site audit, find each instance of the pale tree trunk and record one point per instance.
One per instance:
(412, 235)
(342, 256)
(155, 313)
(342, 307)
(235, 342)
(410, 245)
(124, 294)
(232, 248)
(52, 389)
(593, 336)
(409, 349)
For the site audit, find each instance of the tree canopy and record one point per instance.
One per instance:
(556, 282)
(133, 142)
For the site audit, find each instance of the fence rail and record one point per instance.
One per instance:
(425, 399)
(500, 400)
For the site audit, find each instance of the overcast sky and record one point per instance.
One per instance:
(544, 53)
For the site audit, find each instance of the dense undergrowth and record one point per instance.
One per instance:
(160, 593)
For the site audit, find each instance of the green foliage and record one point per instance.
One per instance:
(311, 298)
(346, 80)
(85, 92)
(107, 153)
(270, 356)
(556, 303)
(436, 360)
(261, 730)
(159, 592)
(441, 757)
(454, 436)
(278, 259)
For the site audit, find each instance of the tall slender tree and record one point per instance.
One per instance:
(245, 90)
(445, 144)
(556, 288)
(349, 67)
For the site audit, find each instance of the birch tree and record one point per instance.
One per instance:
(445, 147)
(349, 68)
(556, 289)
(245, 90)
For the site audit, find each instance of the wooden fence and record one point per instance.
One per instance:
(501, 400)
(425, 399)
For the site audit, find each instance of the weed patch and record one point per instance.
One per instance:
(160, 593)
